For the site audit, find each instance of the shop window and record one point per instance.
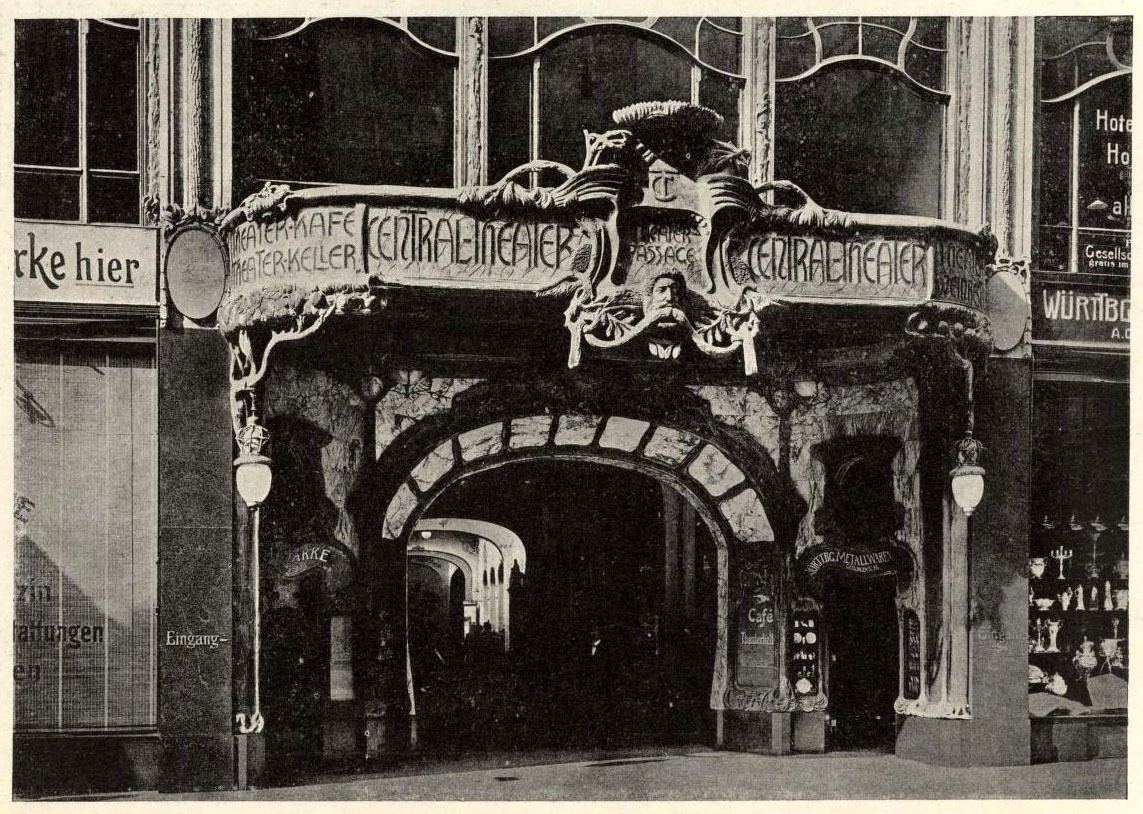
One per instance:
(1084, 138)
(551, 78)
(1078, 611)
(77, 120)
(86, 460)
(343, 101)
(860, 111)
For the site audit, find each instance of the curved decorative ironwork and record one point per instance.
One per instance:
(908, 40)
(1076, 55)
(645, 27)
(401, 24)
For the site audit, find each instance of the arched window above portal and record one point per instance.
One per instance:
(860, 109)
(343, 101)
(551, 78)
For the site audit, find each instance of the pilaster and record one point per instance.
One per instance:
(471, 124)
(757, 119)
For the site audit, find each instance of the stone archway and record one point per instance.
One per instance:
(722, 489)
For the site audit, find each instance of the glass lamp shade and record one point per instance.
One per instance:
(253, 476)
(967, 486)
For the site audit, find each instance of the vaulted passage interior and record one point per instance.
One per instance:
(610, 635)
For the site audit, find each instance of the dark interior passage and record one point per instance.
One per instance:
(612, 627)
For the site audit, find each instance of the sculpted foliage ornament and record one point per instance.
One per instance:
(658, 244)
(172, 216)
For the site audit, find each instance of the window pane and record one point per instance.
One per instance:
(47, 92)
(839, 37)
(508, 35)
(46, 196)
(509, 116)
(721, 93)
(891, 164)
(112, 97)
(345, 101)
(89, 546)
(880, 43)
(439, 32)
(1104, 155)
(720, 49)
(583, 80)
(546, 26)
(1055, 186)
(112, 200)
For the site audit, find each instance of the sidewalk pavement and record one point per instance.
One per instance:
(694, 774)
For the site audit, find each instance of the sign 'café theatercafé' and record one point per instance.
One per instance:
(652, 311)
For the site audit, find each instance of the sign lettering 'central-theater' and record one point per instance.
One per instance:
(637, 247)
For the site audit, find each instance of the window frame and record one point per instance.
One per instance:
(84, 172)
(1074, 98)
(542, 46)
(111, 347)
(946, 96)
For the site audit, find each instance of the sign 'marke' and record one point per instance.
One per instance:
(657, 241)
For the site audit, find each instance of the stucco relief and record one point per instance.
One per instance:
(413, 398)
(318, 437)
(744, 409)
(885, 408)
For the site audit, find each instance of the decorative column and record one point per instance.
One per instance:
(757, 120)
(989, 153)
(200, 113)
(471, 119)
(961, 349)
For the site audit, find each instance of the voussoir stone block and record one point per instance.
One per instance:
(481, 442)
(623, 433)
(530, 432)
(433, 466)
(576, 430)
(670, 446)
(400, 507)
(715, 471)
(747, 517)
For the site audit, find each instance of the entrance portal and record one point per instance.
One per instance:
(861, 623)
(609, 636)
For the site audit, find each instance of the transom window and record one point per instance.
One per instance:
(860, 111)
(551, 78)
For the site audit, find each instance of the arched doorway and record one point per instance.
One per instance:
(719, 476)
(614, 624)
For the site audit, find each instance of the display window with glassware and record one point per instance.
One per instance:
(1078, 559)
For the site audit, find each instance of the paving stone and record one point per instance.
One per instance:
(577, 430)
(747, 517)
(433, 466)
(400, 507)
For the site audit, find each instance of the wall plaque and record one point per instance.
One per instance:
(855, 268)
(757, 631)
(196, 271)
(911, 631)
